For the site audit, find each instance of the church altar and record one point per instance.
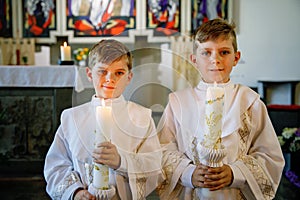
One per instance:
(54, 76)
(31, 101)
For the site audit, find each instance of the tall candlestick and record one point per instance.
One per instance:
(101, 172)
(213, 117)
(65, 52)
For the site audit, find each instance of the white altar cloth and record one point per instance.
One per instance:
(56, 76)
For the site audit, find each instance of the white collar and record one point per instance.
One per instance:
(98, 101)
(203, 86)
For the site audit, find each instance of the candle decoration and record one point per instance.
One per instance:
(213, 117)
(100, 186)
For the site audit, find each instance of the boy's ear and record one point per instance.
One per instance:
(193, 58)
(129, 77)
(237, 57)
(89, 74)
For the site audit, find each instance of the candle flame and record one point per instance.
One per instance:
(65, 44)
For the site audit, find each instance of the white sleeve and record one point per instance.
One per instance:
(61, 180)
(186, 177)
(261, 168)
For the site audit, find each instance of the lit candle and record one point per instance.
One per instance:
(213, 117)
(65, 52)
(104, 118)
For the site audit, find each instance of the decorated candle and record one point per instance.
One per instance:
(104, 119)
(65, 52)
(101, 176)
(213, 117)
(210, 150)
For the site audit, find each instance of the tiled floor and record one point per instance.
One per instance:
(34, 188)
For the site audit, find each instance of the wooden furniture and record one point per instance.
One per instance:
(287, 115)
(263, 86)
(284, 116)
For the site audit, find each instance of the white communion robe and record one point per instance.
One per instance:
(69, 164)
(253, 150)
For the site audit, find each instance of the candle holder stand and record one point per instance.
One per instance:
(212, 158)
(102, 193)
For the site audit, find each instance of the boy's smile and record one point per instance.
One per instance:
(108, 87)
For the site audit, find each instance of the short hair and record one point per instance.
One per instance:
(213, 30)
(109, 51)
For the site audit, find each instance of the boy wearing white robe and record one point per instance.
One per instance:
(132, 152)
(254, 162)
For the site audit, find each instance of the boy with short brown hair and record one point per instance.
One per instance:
(131, 151)
(254, 162)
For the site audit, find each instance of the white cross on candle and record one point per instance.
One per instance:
(104, 122)
(65, 52)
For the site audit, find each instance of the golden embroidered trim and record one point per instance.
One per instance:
(141, 180)
(141, 185)
(244, 132)
(68, 181)
(252, 164)
(89, 172)
(195, 151)
(260, 176)
(171, 161)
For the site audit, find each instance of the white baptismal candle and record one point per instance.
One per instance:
(65, 52)
(101, 176)
(213, 116)
(104, 119)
